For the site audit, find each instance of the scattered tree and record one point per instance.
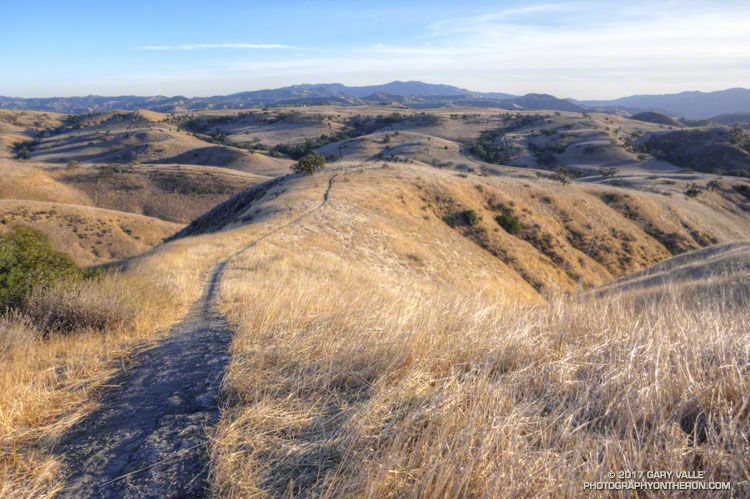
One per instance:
(692, 190)
(561, 175)
(609, 172)
(309, 164)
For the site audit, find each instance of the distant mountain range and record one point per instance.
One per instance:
(413, 94)
(688, 104)
(409, 93)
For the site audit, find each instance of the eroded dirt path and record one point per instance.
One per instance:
(148, 437)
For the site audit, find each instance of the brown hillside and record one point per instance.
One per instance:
(175, 193)
(90, 235)
(572, 235)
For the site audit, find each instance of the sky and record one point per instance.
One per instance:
(581, 49)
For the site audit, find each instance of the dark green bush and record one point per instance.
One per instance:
(510, 224)
(470, 217)
(309, 164)
(27, 261)
(692, 190)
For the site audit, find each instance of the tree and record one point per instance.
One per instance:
(562, 175)
(309, 164)
(609, 172)
(692, 190)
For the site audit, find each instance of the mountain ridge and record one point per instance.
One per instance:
(416, 94)
(691, 104)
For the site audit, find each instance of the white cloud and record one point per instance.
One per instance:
(573, 49)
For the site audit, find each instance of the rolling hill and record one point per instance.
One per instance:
(443, 296)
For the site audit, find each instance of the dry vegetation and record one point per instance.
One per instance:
(390, 344)
(346, 382)
(356, 375)
(70, 339)
(90, 235)
(67, 342)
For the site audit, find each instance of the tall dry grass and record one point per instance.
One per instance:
(74, 336)
(67, 341)
(346, 383)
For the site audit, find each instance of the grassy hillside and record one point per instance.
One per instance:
(415, 319)
(568, 236)
(381, 351)
(90, 235)
(707, 149)
(175, 193)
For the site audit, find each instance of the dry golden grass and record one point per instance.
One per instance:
(347, 382)
(47, 381)
(381, 351)
(89, 235)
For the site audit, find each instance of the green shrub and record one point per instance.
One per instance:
(692, 190)
(510, 224)
(309, 164)
(27, 261)
(470, 217)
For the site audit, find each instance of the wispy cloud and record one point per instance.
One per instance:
(201, 46)
(581, 48)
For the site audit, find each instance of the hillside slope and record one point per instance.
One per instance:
(390, 317)
(384, 342)
(698, 273)
(90, 235)
(568, 236)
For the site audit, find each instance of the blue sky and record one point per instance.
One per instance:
(581, 49)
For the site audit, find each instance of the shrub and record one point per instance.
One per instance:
(510, 224)
(15, 330)
(470, 217)
(27, 261)
(309, 164)
(743, 189)
(692, 190)
(71, 305)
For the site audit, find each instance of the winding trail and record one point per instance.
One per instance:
(148, 437)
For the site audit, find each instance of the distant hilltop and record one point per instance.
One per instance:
(412, 94)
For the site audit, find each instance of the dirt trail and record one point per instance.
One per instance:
(148, 437)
